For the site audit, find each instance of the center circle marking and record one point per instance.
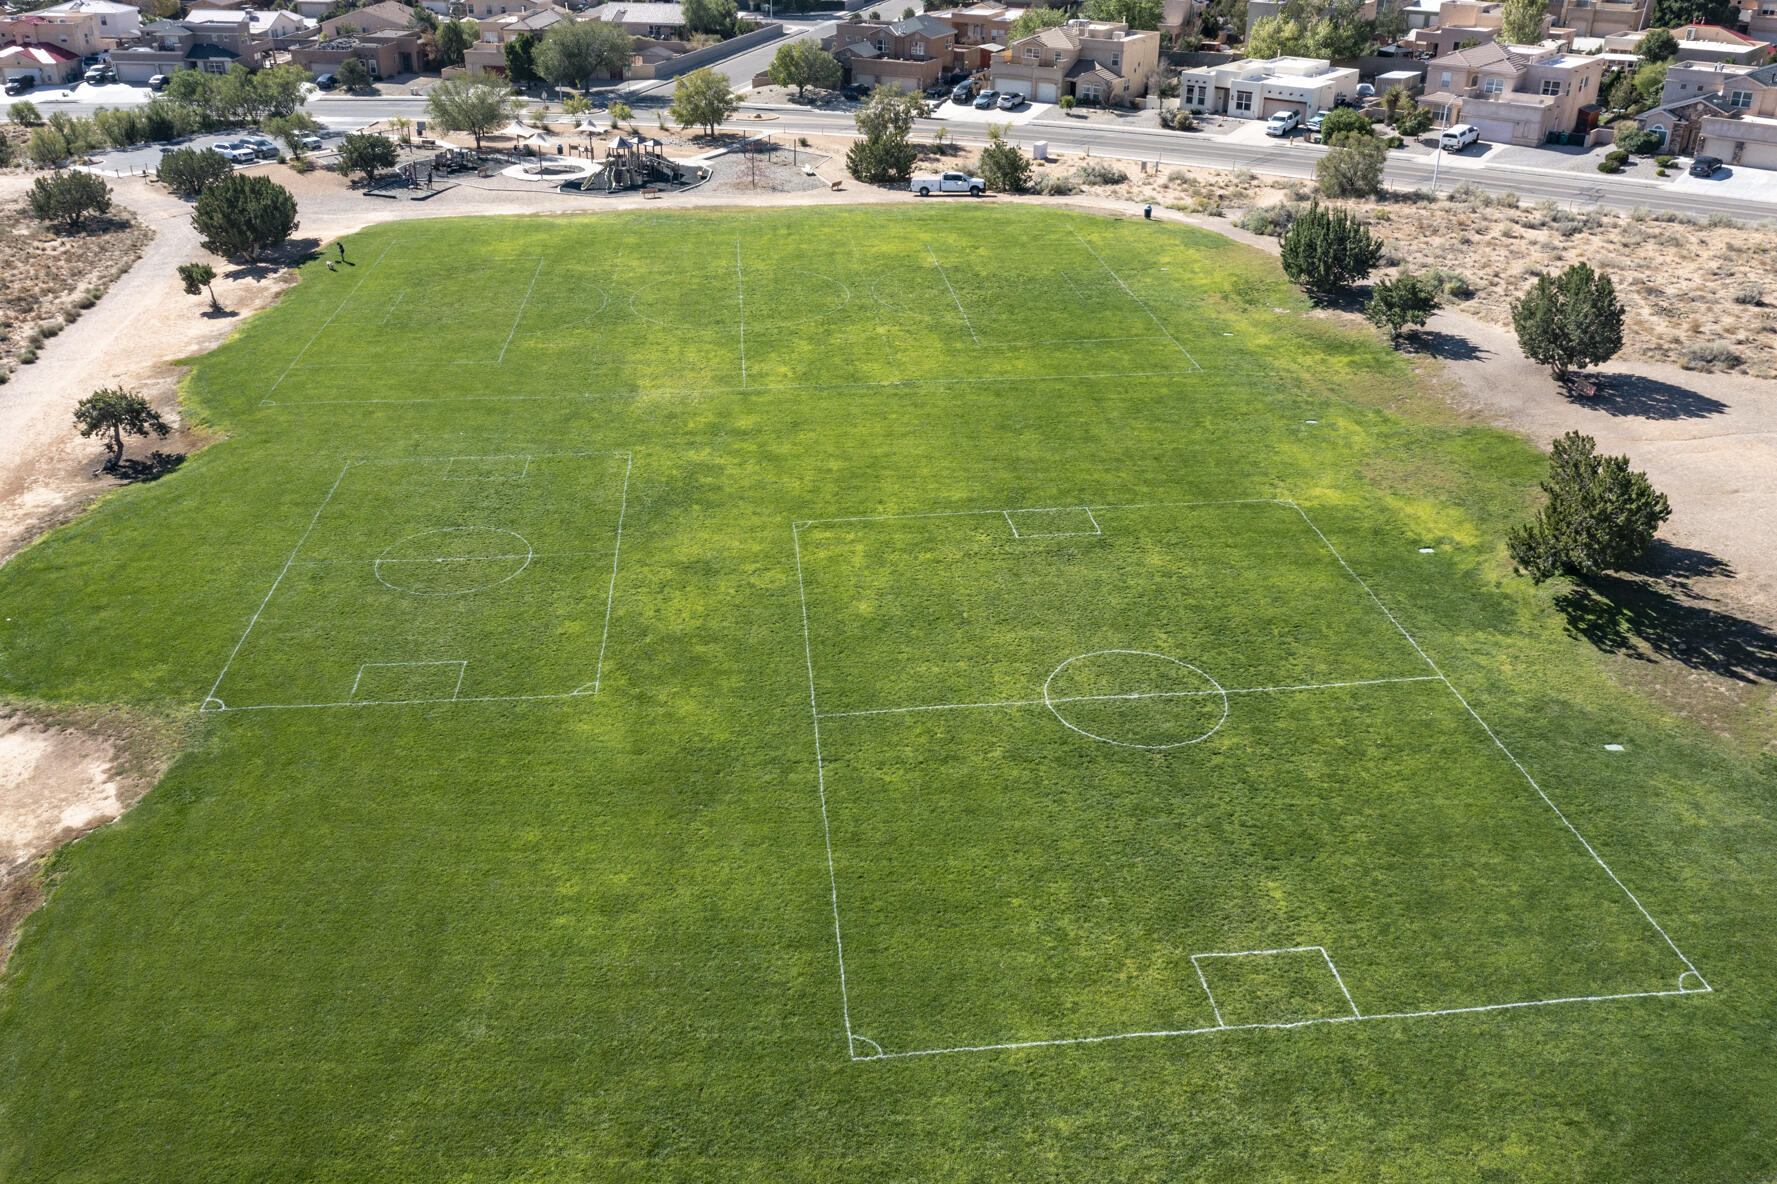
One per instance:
(1217, 689)
(388, 569)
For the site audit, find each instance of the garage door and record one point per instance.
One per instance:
(1273, 106)
(1759, 156)
(1494, 131)
(128, 71)
(1045, 92)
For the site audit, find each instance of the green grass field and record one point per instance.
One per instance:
(952, 692)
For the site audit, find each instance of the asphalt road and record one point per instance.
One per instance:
(1154, 144)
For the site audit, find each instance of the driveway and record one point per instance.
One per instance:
(1730, 181)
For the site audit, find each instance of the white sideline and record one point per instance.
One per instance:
(1134, 297)
(611, 592)
(740, 296)
(953, 296)
(519, 316)
(311, 341)
(1321, 950)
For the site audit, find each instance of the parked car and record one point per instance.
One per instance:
(1283, 123)
(309, 141)
(158, 82)
(19, 85)
(949, 183)
(1705, 166)
(235, 152)
(1365, 91)
(986, 100)
(261, 147)
(99, 74)
(963, 92)
(1011, 101)
(324, 82)
(1315, 122)
(1455, 139)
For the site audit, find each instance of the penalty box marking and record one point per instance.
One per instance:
(211, 702)
(1198, 967)
(352, 695)
(1054, 534)
(853, 1037)
(524, 469)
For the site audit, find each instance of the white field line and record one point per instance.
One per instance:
(1208, 993)
(519, 316)
(522, 473)
(1309, 686)
(1134, 297)
(1590, 850)
(953, 296)
(396, 702)
(1321, 950)
(1355, 1013)
(1339, 1019)
(1237, 501)
(461, 665)
(717, 390)
(611, 592)
(394, 306)
(740, 292)
(343, 302)
(280, 579)
(821, 786)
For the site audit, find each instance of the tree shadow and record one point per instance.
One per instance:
(1646, 398)
(1451, 347)
(291, 253)
(154, 466)
(1657, 614)
(218, 314)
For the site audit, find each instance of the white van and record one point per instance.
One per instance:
(1456, 138)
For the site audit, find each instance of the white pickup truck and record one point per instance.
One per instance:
(949, 183)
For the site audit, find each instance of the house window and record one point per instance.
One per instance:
(1243, 100)
(1741, 99)
(917, 50)
(1444, 81)
(1492, 86)
(1116, 60)
(881, 46)
(1031, 54)
(1089, 91)
(1551, 86)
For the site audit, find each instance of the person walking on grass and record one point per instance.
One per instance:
(341, 244)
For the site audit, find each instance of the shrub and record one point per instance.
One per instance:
(1453, 284)
(1094, 173)
(1353, 169)
(1405, 300)
(1719, 221)
(1057, 185)
(1177, 119)
(1396, 142)
(25, 113)
(1342, 122)
(50, 328)
(1270, 220)
(1639, 142)
(1325, 251)
(189, 171)
(1178, 177)
(1711, 355)
(1067, 103)
(1600, 516)
(1664, 162)
(1004, 168)
(1749, 294)
(69, 198)
(1412, 123)
(1613, 161)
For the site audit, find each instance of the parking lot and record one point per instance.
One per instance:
(146, 158)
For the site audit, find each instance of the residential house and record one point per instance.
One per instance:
(312, 9)
(1094, 61)
(1601, 18)
(1459, 24)
(372, 18)
(912, 53)
(229, 29)
(1178, 15)
(1517, 94)
(488, 54)
(1687, 80)
(117, 22)
(75, 32)
(481, 9)
(385, 53)
(40, 63)
(1737, 123)
(659, 22)
(1680, 122)
(1760, 18)
(279, 26)
(981, 31)
(1255, 88)
(1701, 43)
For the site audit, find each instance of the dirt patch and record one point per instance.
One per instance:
(49, 278)
(64, 772)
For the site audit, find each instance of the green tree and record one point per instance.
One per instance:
(290, 129)
(803, 64)
(521, 59)
(1407, 299)
(25, 113)
(352, 75)
(1353, 169)
(244, 215)
(69, 198)
(1658, 46)
(47, 148)
(117, 412)
(1324, 250)
(1343, 121)
(1522, 21)
(702, 99)
(164, 119)
(1600, 516)
(885, 154)
(1033, 20)
(621, 113)
(1650, 81)
(189, 171)
(197, 277)
(1137, 14)
(710, 16)
(1004, 168)
(7, 152)
(574, 53)
(1570, 321)
(365, 154)
(1414, 121)
(1670, 14)
(453, 39)
(1395, 100)
(1311, 29)
(122, 127)
(469, 105)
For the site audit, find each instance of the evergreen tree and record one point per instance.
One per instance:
(885, 154)
(1406, 300)
(1326, 250)
(196, 277)
(1004, 168)
(120, 413)
(1600, 516)
(243, 215)
(69, 198)
(1522, 21)
(1571, 321)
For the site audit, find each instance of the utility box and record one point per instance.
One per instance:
(1039, 150)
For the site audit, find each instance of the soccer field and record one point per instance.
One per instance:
(957, 692)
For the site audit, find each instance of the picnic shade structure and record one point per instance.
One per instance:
(516, 130)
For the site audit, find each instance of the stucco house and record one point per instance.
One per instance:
(118, 23)
(1257, 88)
(1737, 123)
(1094, 61)
(384, 53)
(1516, 94)
(39, 63)
(659, 22)
(73, 32)
(1601, 18)
(912, 53)
(1701, 43)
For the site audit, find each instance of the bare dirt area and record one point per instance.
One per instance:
(63, 773)
(49, 278)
